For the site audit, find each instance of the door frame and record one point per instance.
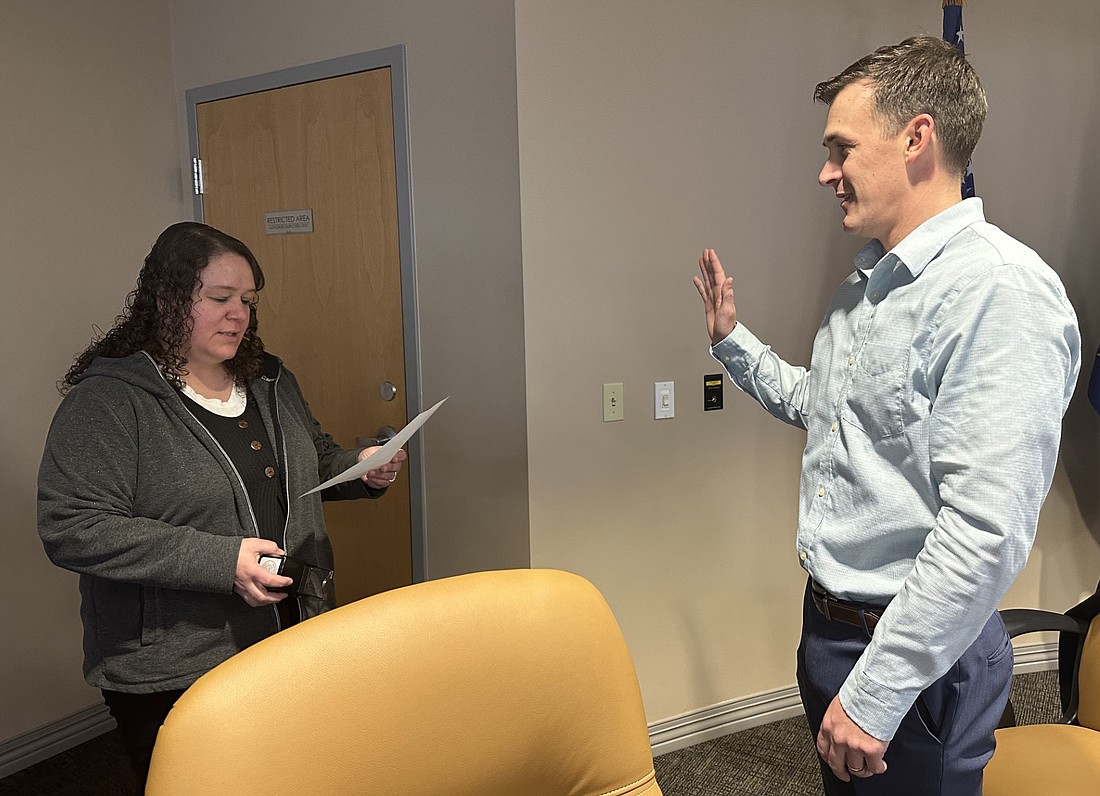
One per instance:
(394, 58)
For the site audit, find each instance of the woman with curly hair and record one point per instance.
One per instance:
(172, 465)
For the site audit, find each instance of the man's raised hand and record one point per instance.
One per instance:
(716, 291)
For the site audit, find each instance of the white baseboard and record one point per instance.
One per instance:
(724, 718)
(735, 715)
(35, 746)
(1035, 658)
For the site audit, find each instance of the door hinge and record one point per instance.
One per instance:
(196, 175)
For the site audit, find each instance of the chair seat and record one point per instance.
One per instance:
(1047, 759)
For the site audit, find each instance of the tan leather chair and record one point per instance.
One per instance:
(509, 683)
(1061, 759)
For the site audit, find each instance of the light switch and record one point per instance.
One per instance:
(664, 400)
(612, 402)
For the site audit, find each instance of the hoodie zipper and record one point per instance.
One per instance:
(233, 467)
(276, 419)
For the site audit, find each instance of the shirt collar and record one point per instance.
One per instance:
(921, 246)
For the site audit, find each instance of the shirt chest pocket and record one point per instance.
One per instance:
(877, 397)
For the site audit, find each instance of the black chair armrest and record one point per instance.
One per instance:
(1019, 621)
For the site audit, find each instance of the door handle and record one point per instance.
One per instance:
(385, 434)
(387, 390)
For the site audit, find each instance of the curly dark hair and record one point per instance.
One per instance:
(157, 317)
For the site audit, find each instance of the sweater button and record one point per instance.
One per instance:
(270, 472)
(242, 424)
(256, 445)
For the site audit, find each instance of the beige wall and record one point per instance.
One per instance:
(89, 178)
(643, 134)
(649, 130)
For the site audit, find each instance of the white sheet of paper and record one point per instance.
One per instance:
(380, 456)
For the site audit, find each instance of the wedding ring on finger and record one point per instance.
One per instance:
(393, 476)
(856, 770)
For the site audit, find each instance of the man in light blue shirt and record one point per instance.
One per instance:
(933, 409)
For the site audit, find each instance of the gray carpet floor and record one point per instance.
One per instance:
(776, 759)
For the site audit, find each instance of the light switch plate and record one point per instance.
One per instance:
(613, 402)
(664, 400)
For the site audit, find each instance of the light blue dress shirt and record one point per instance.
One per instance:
(933, 410)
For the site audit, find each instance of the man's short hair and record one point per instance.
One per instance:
(922, 74)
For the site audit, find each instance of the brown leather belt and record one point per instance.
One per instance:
(848, 613)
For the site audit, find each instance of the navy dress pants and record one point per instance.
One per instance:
(945, 739)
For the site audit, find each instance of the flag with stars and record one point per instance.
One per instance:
(953, 32)
(1094, 383)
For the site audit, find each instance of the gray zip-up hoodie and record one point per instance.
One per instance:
(137, 496)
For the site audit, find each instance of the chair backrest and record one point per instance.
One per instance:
(1088, 678)
(507, 682)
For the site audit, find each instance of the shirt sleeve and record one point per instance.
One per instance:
(1003, 368)
(86, 489)
(756, 370)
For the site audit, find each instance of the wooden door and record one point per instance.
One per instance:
(331, 307)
